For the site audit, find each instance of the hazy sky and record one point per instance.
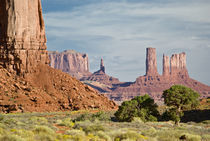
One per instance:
(121, 30)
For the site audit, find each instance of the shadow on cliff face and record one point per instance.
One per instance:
(196, 115)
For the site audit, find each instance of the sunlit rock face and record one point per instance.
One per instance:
(70, 61)
(22, 36)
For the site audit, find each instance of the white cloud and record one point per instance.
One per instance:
(125, 29)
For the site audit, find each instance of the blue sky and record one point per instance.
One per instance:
(120, 30)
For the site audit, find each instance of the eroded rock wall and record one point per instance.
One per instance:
(72, 62)
(166, 66)
(22, 36)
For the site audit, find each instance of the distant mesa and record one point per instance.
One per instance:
(153, 83)
(69, 61)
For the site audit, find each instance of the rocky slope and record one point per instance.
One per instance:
(27, 83)
(47, 90)
(72, 62)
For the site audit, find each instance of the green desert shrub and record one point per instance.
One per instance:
(44, 137)
(103, 135)
(127, 134)
(43, 129)
(89, 127)
(38, 120)
(168, 135)
(2, 131)
(44, 133)
(206, 137)
(102, 116)
(191, 137)
(26, 134)
(93, 128)
(75, 132)
(10, 121)
(84, 117)
(1, 117)
(140, 106)
(66, 122)
(10, 137)
(137, 120)
(151, 132)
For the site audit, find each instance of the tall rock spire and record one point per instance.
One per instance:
(166, 65)
(151, 62)
(102, 67)
(178, 64)
(22, 35)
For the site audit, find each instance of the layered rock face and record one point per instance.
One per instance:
(23, 52)
(166, 66)
(72, 62)
(22, 35)
(178, 64)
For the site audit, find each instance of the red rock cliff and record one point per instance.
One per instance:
(22, 35)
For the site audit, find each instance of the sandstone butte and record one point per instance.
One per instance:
(69, 61)
(152, 83)
(174, 72)
(27, 83)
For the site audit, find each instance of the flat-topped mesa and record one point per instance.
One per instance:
(178, 65)
(69, 61)
(151, 62)
(166, 66)
(102, 67)
(22, 36)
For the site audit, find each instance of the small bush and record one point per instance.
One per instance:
(93, 128)
(75, 132)
(84, 117)
(66, 122)
(102, 116)
(11, 138)
(23, 133)
(151, 132)
(1, 117)
(44, 137)
(191, 137)
(128, 135)
(206, 137)
(43, 129)
(168, 135)
(39, 120)
(89, 127)
(103, 135)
